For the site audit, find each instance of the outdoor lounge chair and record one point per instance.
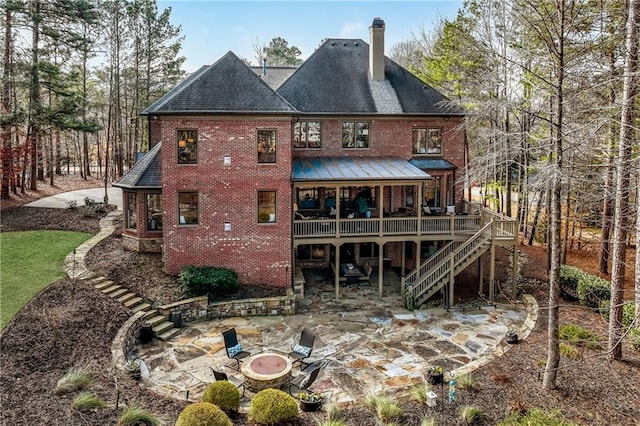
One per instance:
(219, 375)
(303, 381)
(367, 274)
(233, 348)
(304, 347)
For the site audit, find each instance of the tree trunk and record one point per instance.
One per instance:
(7, 108)
(34, 97)
(623, 190)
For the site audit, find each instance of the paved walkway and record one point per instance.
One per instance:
(61, 201)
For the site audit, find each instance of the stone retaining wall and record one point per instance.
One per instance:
(197, 308)
(127, 339)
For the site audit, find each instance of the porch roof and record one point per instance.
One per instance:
(432, 164)
(145, 174)
(355, 168)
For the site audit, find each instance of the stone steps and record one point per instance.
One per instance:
(162, 328)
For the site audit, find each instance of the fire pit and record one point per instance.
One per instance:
(266, 370)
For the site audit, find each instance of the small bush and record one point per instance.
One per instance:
(332, 423)
(569, 351)
(428, 421)
(387, 409)
(628, 312)
(472, 415)
(224, 394)
(591, 290)
(202, 280)
(74, 380)
(634, 338)
(536, 416)
(334, 414)
(87, 401)
(203, 414)
(578, 336)
(135, 415)
(419, 392)
(271, 406)
(467, 382)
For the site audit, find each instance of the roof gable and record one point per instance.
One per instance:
(335, 79)
(229, 85)
(146, 173)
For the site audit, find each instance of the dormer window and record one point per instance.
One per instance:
(355, 134)
(427, 141)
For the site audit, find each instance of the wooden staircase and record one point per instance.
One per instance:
(162, 328)
(440, 269)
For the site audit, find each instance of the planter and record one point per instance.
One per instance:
(512, 338)
(146, 333)
(436, 379)
(310, 406)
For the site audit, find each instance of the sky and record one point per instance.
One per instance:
(212, 28)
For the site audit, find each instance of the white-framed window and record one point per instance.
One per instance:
(427, 140)
(306, 135)
(187, 143)
(355, 134)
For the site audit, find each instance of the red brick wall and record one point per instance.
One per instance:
(259, 253)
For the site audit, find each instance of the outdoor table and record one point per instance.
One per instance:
(351, 272)
(266, 370)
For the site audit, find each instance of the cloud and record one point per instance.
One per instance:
(352, 29)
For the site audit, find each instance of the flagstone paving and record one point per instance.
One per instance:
(365, 343)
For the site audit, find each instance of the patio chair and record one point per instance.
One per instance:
(220, 376)
(233, 348)
(367, 274)
(302, 382)
(303, 349)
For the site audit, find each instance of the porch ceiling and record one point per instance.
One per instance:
(355, 169)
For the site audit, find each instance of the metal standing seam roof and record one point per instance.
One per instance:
(146, 173)
(355, 168)
(432, 164)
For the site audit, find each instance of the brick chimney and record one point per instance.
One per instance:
(376, 49)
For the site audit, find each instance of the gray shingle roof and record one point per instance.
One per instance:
(432, 164)
(229, 85)
(145, 173)
(354, 168)
(335, 79)
(275, 75)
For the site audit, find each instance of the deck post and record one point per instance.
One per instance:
(514, 272)
(380, 268)
(336, 273)
(452, 278)
(480, 275)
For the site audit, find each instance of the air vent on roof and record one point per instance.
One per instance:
(355, 43)
(345, 44)
(333, 43)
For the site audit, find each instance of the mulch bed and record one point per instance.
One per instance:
(70, 325)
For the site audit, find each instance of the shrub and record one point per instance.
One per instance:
(202, 280)
(536, 416)
(591, 290)
(87, 401)
(387, 408)
(634, 338)
(419, 392)
(334, 414)
(472, 415)
(428, 421)
(467, 382)
(203, 414)
(134, 415)
(222, 393)
(578, 336)
(569, 351)
(271, 406)
(628, 312)
(73, 381)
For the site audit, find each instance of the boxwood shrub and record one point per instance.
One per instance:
(628, 312)
(204, 280)
(590, 289)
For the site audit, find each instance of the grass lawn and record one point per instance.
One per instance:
(29, 261)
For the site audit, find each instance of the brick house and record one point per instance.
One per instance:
(346, 160)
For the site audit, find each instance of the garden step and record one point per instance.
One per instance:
(127, 296)
(118, 293)
(111, 289)
(97, 280)
(168, 334)
(132, 302)
(141, 307)
(157, 319)
(104, 284)
(162, 327)
(150, 313)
